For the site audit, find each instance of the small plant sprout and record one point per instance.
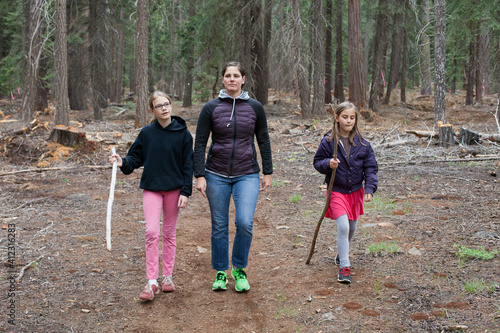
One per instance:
(474, 286)
(389, 247)
(295, 198)
(416, 178)
(465, 252)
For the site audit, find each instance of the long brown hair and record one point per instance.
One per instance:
(155, 95)
(336, 127)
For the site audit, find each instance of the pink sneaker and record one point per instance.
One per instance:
(149, 292)
(167, 285)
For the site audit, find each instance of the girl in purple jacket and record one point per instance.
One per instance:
(355, 164)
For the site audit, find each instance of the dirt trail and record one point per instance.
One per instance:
(424, 206)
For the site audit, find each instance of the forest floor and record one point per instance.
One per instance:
(419, 244)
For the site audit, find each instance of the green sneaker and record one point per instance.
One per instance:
(240, 278)
(220, 281)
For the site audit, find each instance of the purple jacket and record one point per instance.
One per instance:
(233, 123)
(359, 166)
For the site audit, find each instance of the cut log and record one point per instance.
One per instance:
(490, 137)
(423, 134)
(468, 137)
(446, 135)
(67, 136)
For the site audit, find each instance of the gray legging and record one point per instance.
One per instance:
(345, 232)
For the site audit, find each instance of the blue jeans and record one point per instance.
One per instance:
(245, 191)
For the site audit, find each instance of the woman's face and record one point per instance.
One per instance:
(233, 81)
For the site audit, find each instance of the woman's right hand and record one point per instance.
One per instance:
(117, 158)
(201, 185)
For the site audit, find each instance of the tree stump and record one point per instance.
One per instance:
(67, 136)
(446, 135)
(468, 137)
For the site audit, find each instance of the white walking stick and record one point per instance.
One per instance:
(110, 203)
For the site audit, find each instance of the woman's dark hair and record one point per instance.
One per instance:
(233, 64)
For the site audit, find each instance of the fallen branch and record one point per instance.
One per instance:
(21, 272)
(54, 168)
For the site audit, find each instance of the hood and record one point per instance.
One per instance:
(177, 124)
(243, 96)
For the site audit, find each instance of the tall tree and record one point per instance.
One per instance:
(439, 60)
(356, 75)
(379, 46)
(32, 58)
(425, 52)
(470, 75)
(187, 46)
(141, 116)
(338, 93)
(78, 59)
(61, 115)
(328, 51)
(300, 78)
(318, 49)
(259, 56)
(98, 63)
(395, 67)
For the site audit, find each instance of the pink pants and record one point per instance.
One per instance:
(153, 204)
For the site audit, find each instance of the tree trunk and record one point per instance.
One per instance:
(328, 52)
(119, 60)
(366, 51)
(78, 61)
(141, 118)
(479, 74)
(61, 115)
(98, 54)
(484, 58)
(404, 64)
(42, 91)
(356, 78)
(439, 60)
(300, 79)
(470, 79)
(188, 43)
(425, 53)
(318, 105)
(395, 68)
(379, 41)
(338, 93)
(32, 58)
(454, 74)
(259, 56)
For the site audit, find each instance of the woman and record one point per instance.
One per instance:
(231, 168)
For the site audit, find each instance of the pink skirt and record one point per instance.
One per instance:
(350, 204)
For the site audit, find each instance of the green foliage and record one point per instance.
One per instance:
(465, 252)
(295, 198)
(389, 247)
(474, 286)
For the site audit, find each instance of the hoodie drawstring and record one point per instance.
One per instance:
(232, 112)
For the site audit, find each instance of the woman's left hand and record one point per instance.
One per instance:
(266, 182)
(368, 197)
(183, 201)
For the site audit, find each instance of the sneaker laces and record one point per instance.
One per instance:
(168, 280)
(345, 271)
(220, 276)
(239, 273)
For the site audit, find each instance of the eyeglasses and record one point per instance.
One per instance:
(161, 106)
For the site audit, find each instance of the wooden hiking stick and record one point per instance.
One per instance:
(328, 196)
(110, 203)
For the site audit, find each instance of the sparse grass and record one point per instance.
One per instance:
(416, 178)
(475, 286)
(389, 247)
(121, 182)
(277, 183)
(377, 284)
(465, 252)
(381, 204)
(283, 309)
(295, 198)
(66, 180)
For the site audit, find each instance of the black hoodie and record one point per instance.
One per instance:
(167, 157)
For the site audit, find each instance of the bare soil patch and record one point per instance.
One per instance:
(429, 199)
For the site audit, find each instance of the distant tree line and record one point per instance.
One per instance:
(321, 51)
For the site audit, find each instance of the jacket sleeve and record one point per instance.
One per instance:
(264, 142)
(323, 156)
(203, 130)
(370, 170)
(135, 157)
(187, 170)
